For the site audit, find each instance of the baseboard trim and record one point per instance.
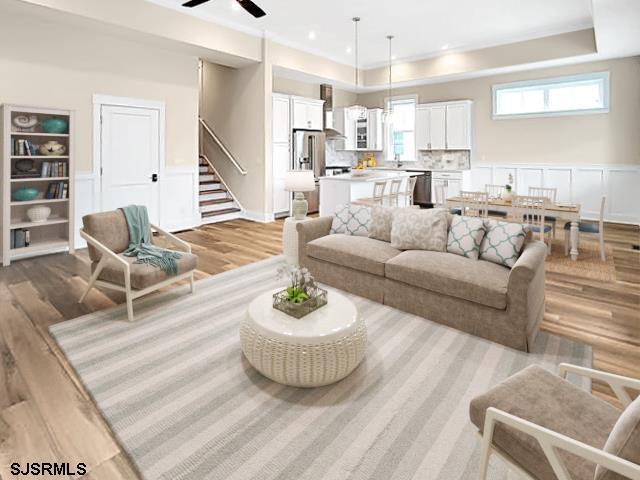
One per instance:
(260, 217)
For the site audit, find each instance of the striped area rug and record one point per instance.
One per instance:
(185, 404)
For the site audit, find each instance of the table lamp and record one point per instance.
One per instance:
(299, 181)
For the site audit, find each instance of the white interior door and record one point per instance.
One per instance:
(130, 158)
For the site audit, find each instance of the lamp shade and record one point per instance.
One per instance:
(299, 181)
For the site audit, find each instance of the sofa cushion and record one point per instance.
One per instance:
(143, 275)
(351, 220)
(502, 242)
(381, 222)
(624, 441)
(474, 280)
(416, 229)
(539, 396)
(465, 236)
(110, 229)
(360, 253)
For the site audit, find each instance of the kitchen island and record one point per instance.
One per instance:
(341, 189)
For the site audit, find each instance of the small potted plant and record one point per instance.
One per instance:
(508, 196)
(302, 296)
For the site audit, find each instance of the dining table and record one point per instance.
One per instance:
(562, 212)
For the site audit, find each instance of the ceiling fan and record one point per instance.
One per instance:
(248, 5)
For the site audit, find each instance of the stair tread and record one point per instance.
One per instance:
(214, 190)
(219, 212)
(208, 182)
(215, 201)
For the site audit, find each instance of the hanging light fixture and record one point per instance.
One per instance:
(388, 110)
(355, 20)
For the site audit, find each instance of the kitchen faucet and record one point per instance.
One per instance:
(397, 160)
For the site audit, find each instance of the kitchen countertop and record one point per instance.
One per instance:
(372, 176)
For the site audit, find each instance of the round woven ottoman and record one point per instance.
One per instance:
(318, 349)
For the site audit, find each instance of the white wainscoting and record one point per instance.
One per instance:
(584, 185)
(179, 208)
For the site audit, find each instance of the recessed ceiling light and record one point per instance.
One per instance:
(445, 46)
(393, 57)
(348, 49)
(312, 35)
(235, 6)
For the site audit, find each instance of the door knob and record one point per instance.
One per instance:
(154, 177)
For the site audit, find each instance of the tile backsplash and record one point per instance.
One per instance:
(432, 160)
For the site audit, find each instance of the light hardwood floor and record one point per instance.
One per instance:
(45, 414)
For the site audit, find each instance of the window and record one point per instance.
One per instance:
(587, 93)
(401, 136)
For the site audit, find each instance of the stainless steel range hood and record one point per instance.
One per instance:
(326, 94)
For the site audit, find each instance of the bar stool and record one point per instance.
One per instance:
(394, 192)
(408, 192)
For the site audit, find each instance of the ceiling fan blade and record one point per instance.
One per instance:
(251, 7)
(194, 3)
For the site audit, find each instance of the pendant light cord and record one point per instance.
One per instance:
(390, 38)
(356, 20)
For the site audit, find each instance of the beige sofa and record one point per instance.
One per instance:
(479, 297)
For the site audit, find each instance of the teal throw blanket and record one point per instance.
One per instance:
(140, 245)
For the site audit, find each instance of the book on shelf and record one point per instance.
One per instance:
(57, 190)
(53, 169)
(23, 147)
(20, 238)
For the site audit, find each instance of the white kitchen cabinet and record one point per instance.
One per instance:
(281, 151)
(444, 126)
(281, 160)
(438, 127)
(458, 126)
(306, 113)
(431, 128)
(450, 180)
(281, 125)
(375, 133)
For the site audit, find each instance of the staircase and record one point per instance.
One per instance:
(216, 203)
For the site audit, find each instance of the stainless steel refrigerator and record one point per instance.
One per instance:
(309, 154)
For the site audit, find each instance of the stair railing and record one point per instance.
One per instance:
(217, 174)
(224, 149)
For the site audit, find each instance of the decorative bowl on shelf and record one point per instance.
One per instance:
(54, 125)
(25, 194)
(52, 147)
(39, 213)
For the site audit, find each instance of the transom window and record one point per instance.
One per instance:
(586, 93)
(401, 132)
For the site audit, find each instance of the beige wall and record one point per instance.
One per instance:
(612, 138)
(236, 103)
(54, 66)
(287, 86)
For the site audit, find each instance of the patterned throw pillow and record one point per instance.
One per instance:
(351, 220)
(381, 221)
(465, 236)
(503, 242)
(415, 229)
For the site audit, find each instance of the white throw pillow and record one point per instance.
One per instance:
(465, 236)
(502, 242)
(351, 220)
(381, 221)
(415, 229)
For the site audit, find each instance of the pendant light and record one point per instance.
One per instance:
(356, 20)
(388, 111)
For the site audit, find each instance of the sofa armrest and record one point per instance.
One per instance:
(530, 261)
(310, 230)
(525, 289)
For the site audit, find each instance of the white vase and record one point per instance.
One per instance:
(508, 196)
(39, 213)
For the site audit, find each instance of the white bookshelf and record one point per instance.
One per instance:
(56, 233)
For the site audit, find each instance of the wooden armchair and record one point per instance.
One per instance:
(546, 428)
(107, 236)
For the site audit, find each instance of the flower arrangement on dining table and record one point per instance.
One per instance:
(302, 296)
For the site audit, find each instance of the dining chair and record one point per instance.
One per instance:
(531, 210)
(408, 191)
(495, 192)
(589, 228)
(475, 204)
(551, 195)
(394, 192)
